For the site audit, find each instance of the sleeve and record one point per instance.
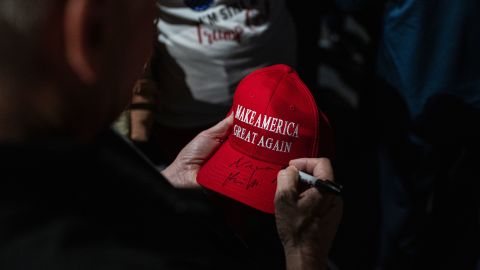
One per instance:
(79, 246)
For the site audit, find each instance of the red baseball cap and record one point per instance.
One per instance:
(275, 120)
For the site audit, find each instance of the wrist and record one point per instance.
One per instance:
(140, 136)
(305, 258)
(141, 124)
(169, 173)
(172, 174)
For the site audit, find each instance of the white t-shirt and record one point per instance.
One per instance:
(213, 44)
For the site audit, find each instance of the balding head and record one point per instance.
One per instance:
(71, 63)
(20, 21)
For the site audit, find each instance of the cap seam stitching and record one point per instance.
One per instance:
(255, 150)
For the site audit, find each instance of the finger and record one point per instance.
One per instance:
(287, 181)
(221, 129)
(323, 170)
(319, 167)
(310, 199)
(305, 164)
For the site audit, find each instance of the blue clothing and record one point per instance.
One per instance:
(430, 48)
(428, 153)
(428, 108)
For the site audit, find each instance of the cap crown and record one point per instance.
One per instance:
(275, 120)
(275, 117)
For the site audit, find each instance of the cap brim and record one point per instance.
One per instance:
(240, 177)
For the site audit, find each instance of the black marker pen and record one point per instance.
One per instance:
(318, 183)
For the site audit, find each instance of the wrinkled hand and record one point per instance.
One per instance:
(307, 221)
(182, 173)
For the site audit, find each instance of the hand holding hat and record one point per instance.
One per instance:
(182, 173)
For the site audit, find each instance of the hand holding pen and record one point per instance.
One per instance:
(307, 220)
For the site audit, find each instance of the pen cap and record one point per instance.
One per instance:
(276, 120)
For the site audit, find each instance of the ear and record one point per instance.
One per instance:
(84, 30)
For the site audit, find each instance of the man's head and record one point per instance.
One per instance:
(68, 66)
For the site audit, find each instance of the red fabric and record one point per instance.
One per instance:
(276, 120)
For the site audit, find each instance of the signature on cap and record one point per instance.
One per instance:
(249, 181)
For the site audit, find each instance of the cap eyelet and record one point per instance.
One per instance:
(292, 108)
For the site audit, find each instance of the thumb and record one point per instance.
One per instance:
(287, 180)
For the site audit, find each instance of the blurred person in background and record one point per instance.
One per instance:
(202, 51)
(428, 107)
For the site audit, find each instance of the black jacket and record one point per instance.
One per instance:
(102, 206)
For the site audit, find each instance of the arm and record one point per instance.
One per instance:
(306, 221)
(142, 108)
